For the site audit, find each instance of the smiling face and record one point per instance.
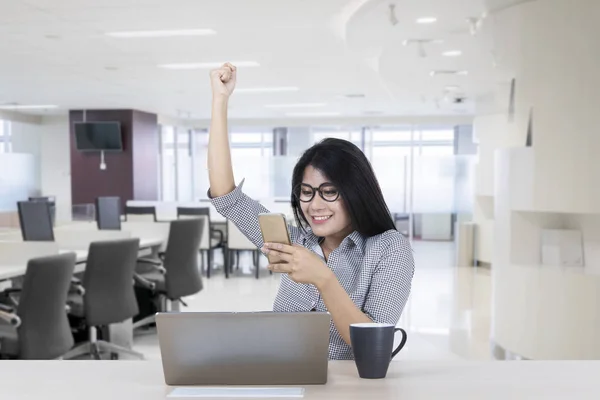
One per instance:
(326, 218)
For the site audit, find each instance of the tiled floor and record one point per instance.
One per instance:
(447, 315)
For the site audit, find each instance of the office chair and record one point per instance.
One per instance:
(39, 328)
(109, 297)
(235, 244)
(108, 213)
(51, 200)
(140, 214)
(211, 238)
(35, 221)
(176, 275)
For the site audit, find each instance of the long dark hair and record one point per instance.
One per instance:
(347, 167)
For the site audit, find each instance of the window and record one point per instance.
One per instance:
(168, 163)
(446, 135)
(5, 137)
(354, 135)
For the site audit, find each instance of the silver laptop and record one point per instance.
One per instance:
(261, 348)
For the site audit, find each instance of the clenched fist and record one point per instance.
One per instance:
(223, 81)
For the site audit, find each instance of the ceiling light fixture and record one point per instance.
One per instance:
(26, 107)
(452, 53)
(268, 89)
(162, 33)
(316, 114)
(298, 105)
(452, 88)
(444, 72)
(427, 20)
(208, 65)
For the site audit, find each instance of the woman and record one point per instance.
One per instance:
(347, 258)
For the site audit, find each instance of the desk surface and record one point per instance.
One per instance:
(13, 271)
(143, 380)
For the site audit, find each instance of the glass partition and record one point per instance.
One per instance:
(416, 167)
(20, 183)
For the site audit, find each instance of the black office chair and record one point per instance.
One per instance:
(109, 297)
(37, 326)
(108, 213)
(51, 200)
(176, 275)
(35, 221)
(211, 238)
(150, 212)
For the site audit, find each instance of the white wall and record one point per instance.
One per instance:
(55, 163)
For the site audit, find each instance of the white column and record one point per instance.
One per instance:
(545, 311)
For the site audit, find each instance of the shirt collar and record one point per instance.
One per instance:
(355, 238)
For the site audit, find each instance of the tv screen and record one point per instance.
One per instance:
(98, 136)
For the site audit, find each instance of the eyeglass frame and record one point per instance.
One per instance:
(314, 190)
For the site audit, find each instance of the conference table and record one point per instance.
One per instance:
(143, 380)
(17, 270)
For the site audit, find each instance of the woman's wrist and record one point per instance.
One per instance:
(325, 281)
(220, 101)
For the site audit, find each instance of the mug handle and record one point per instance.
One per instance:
(402, 342)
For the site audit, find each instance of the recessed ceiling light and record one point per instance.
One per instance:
(373, 112)
(355, 96)
(426, 20)
(313, 114)
(452, 53)
(268, 89)
(452, 88)
(208, 65)
(26, 107)
(298, 105)
(443, 72)
(162, 33)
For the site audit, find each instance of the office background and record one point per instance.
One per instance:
(517, 157)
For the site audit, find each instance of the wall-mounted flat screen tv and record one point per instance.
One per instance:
(98, 136)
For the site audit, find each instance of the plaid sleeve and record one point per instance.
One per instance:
(391, 281)
(243, 212)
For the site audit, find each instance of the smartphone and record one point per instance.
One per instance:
(274, 229)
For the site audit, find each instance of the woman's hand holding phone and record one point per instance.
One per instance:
(301, 264)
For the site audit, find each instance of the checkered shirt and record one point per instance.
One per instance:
(376, 271)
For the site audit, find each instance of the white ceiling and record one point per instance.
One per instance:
(55, 52)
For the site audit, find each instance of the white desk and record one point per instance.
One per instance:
(143, 380)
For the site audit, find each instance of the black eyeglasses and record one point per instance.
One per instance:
(305, 193)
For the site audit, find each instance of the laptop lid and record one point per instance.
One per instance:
(261, 348)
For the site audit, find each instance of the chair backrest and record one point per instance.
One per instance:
(140, 213)
(202, 213)
(44, 332)
(51, 200)
(193, 211)
(36, 221)
(236, 240)
(181, 258)
(108, 213)
(108, 281)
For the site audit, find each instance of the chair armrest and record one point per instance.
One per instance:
(11, 318)
(155, 263)
(6, 308)
(68, 308)
(143, 282)
(217, 232)
(7, 296)
(77, 286)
